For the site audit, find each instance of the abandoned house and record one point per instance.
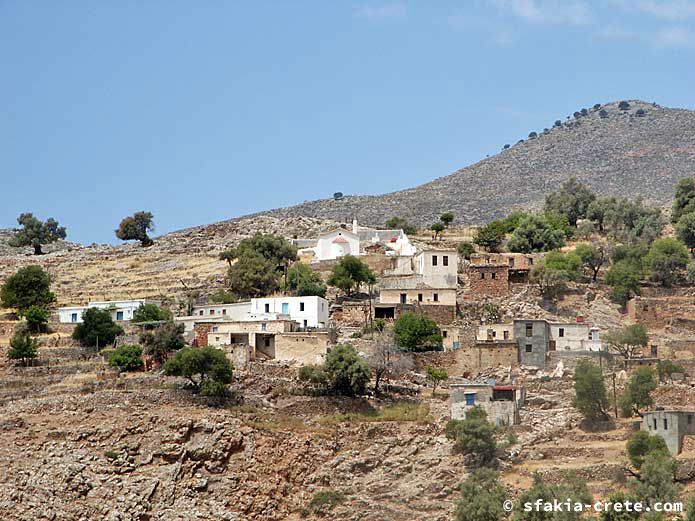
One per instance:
(121, 310)
(535, 338)
(272, 339)
(670, 425)
(491, 273)
(490, 353)
(500, 402)
(429, 284)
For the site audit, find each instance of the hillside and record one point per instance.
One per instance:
(623, 154)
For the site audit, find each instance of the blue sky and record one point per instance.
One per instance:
(203, 111)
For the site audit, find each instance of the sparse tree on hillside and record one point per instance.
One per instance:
(474, 437)
(126, 358)
(551, 282)
(490, 236)
(37, 318)
(135, 227)
(535, 234)
(572, 200)
(165, 338)
(593, 256)
(667, 260)
(416, 332)
(22, 347)
(252, 276)
(637, 395)
(572, 488)
(684, 200)
(481, 498)
(590, 391)
(350, 273)
(624, 277)
(29, 286)
(35, 233)
(207, 369)
(386, 360)
(151, 313)
(347, 371)
(641, 444)
(447, 218)
(97, 328)
(685, 230)
(303, 281)
(627, 341)
(466, 249)
(436, 376)
(396, 223)
(656, 480)
(437, 228)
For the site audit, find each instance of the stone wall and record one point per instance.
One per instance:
(485, 355)
(306, 348)
(488, 280)
(202, 330)
(439, 313)
(645, 311)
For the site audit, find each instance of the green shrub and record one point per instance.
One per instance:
(206, 368)
(126, 357)
(416, 332)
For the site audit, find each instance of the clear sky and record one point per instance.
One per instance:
(207, 110)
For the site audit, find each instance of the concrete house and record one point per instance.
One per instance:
(121, 310)
(500, 402)
(671, 425)
(309, 312)
(234, 311)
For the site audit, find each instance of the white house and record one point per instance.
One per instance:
(234, 311)
(308, 311)
(120, 310)
(334, 244)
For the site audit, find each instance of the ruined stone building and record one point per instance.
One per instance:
(535, 338)
(490, 274)
(670, 425)
(500, 402)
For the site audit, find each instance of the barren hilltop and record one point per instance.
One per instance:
(641, 150)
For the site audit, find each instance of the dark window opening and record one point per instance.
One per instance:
(445, 260)
(301, 306)
(419, 297)
(529, 329)
(561, 332)
(529, 348)
(434, 260)
(435, 297)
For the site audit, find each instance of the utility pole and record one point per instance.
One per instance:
(615, 399)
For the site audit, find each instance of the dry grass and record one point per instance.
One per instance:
(397, 412)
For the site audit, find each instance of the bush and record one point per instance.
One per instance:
(481, 498)
(603, 114)
(303, 281)
(535, 234)
(35, 233)
(641, 444)
(466, 249)
(623, 105)
(666, 368)
(135, 227)
(97, 328)
(436, 376)
(165, 338)
(532, 135)
(29, 286)
(207, 369)
(666, 260)
(552, 283)
(640, 113)
(490, 236)
(151, 313)
(557, 123)
(474, 437)
(126, 357)
(624, 276)
(350, 273)
(223, 297)
(37, 319)
(348, 373)
(22, 347)
(572, 200)
(590, 391)
(638, 390)
(326, 500)
(416, 332)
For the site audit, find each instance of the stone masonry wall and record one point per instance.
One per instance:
(482, 283)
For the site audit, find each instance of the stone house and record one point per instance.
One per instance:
(670, 425)
(500, 402)
(489, 353)
(537, 337)
(429, 283)
(490, 274)
(121, 310)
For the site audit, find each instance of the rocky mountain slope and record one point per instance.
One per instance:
(643, 150)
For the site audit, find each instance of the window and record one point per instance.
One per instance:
(506, 335)
(665, 424)
(224, 311)
(435, 297)
(305, 323)
(511, 262)
(285, 308)
(267, 308)
(301, 306)
(529, 348)
(470, 399)
(419, 297)
(444, 333)
(215, 329)
(445, 260)
(212, 311)
(561, 332)
(654, 351)
(482, 275)
(404, 298)
(494, 275)
(434, 260)
(119, 315)
(529, 329)
(217, 339)
(494, 334)
(264, 326)
(73, 317)
(690, 419)
(654, 423)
